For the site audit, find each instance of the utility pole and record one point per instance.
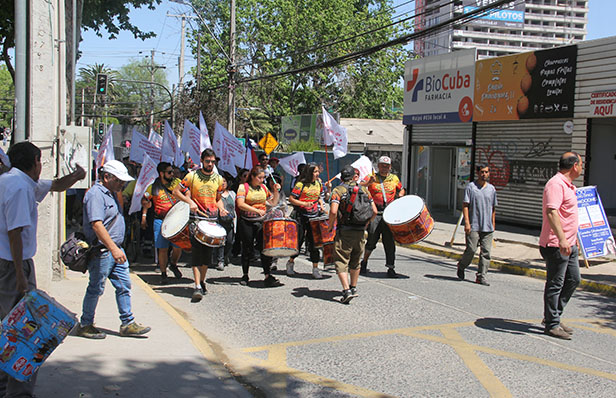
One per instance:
(232, 70)
(181, 59)
(152, 68)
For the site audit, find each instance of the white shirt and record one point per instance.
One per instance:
(19, 198)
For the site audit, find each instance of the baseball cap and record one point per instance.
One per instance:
(118, 169)
(384, 160)
(347, 173)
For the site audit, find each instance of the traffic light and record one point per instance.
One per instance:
(101, 83)
(100, 133)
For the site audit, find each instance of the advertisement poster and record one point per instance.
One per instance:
(510, 15)
(439, 89)
(301, 128)
(464, 167)
(602, 103)
(593, 230)
(533, 85)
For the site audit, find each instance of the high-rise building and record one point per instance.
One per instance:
(518, 26)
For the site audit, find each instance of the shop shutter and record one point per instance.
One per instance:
(451, 134)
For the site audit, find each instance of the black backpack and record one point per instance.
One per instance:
(358, 209)
(75, 252)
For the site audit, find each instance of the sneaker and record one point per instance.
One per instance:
(290, 270)
(353, 290)
(460, 273)
(90, 332)
(203, 288)
(271, 281)
(559, 333)
(163, 278)
(134, 329)
(482, 281)
(316, 273)
(220, 266)
(346, 296)
(176, 271)
(197, 295)
(562, 325)
(363, 268)
(274, 266)
(244, 281)
(391, 273)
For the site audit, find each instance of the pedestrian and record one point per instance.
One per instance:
(221, 254)
(253, 197)
(20, 192)
(103, 226)
(385, 187)
(307, 197)
(201, 190)
(159, 195)
(264, 163)
(479, 211)
(558, 243)
(350, 238)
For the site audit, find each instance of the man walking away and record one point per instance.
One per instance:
(558, 243)
(479, 210)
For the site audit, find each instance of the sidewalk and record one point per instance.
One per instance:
(173, 360)
(516, 250)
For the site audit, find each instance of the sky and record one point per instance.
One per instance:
(120, 51)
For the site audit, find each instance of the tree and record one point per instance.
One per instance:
(282, 35)
(7, 97)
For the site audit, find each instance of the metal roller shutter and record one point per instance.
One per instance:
(452, 134)
(522, 155)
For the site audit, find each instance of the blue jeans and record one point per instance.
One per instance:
(563, 277)
(100, 268)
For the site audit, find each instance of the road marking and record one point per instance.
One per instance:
(482, 372)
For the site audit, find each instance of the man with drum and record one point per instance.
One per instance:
(479, 210)
(201, 190)
(350, 238)
(384, 187)
(160, 194)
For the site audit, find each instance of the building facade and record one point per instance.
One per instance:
(521, 26)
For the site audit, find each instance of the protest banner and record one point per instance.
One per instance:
(229, 149)
(171, 151)
(141, 146)
(146, 177)
(290, 163)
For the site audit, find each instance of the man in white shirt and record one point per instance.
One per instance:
(20, 192)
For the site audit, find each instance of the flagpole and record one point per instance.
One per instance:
(326, 160)
(246, 146)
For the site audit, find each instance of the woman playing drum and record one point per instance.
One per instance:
(252, 200)
(307, 197)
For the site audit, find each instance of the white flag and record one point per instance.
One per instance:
(140, 146)
(171, 151)
(229, 149)
(146, 177)
(364, 165)
(334, 134)
(155, 138)
(290, 163)
(105, 151)
(205, 137)
(191, 141)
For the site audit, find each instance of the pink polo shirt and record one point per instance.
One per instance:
(559, 194)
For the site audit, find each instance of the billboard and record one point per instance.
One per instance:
(594, 231)
(602, 103)
(509, 15)
(439, 89)
(532, 85)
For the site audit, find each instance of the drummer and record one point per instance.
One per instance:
(385, 187)
(160, 194)
(252, 200)
(201, 189)
(307, 198)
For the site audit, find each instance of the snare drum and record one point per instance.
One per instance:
(280, 237)
(320, 233)
(209, 233)
(175, 226)
(408, 219)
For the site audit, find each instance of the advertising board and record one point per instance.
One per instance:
(602, 103)
(511, 15)
(593, 228)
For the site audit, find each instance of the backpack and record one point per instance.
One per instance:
(75, 251)
(358, 210)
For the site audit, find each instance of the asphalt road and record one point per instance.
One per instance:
(425, 334)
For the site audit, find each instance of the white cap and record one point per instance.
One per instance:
(118, 169)
(384, 160)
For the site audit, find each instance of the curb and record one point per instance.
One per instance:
(513, 268)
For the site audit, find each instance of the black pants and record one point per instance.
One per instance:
(563, 277)
(304, 231)
(221, 254)
(248, 231)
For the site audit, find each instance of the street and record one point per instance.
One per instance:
(424, 334)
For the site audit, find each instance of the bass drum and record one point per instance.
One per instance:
(175, 226)
(408, 219)
(280, 237)
(321, 235)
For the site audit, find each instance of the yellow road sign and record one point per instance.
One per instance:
(268, 143)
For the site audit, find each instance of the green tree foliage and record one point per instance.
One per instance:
(274, 36)
(7, 97)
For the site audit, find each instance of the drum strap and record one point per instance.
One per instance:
(383, 191)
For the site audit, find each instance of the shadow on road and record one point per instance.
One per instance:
(443, 277)
(327, 295)
(508, 326)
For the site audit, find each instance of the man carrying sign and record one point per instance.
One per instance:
(558, 243)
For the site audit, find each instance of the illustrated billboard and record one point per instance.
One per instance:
(439, 89)
(532, 85)
(593, 227)
(509, 15)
